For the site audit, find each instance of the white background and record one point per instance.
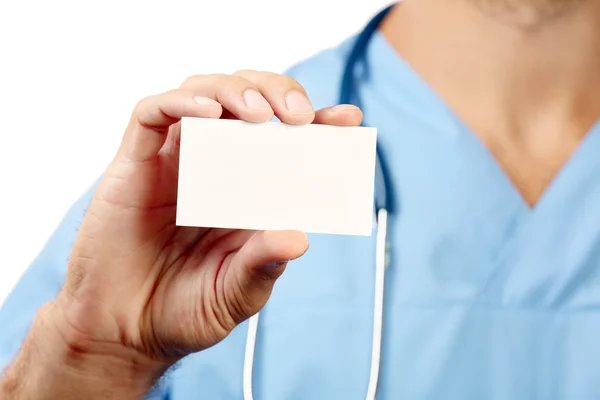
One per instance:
(71, 72)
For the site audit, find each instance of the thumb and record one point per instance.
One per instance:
(257, 266)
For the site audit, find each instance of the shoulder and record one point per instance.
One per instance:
(321, 74)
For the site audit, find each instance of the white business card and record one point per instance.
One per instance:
(275, 176)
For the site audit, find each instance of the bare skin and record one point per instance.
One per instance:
(141, 293)
(523, 75)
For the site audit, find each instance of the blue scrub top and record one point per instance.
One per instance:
(486, 298)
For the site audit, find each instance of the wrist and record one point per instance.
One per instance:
(57, 361)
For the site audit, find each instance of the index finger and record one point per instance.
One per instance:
(287, 97)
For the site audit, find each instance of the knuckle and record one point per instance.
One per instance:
(220, 314)
(291, 83)
(211, 322)
(143, 104)
(267, 80)
(239, 308)
(191, 80)
(237, 80)
(215, 81)
(228, 84)
(284, 82)
(245, 72)
(219, 77)
(149, 102)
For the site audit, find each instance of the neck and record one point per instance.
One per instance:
(526, 72)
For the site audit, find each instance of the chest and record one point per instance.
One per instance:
(533, 166)
(457, 323)
(462, 293)
(483, 297)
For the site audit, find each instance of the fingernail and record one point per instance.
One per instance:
(256, 100)
(205, 101)
(297, 103)
(275, 265)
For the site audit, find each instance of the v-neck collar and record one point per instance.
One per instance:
(505, 225)
(405, 88)
(564, 189)
(394, 75)
(543, 262)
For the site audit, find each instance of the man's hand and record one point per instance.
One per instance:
(141, 292)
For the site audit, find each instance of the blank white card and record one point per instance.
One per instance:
(274, 176)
